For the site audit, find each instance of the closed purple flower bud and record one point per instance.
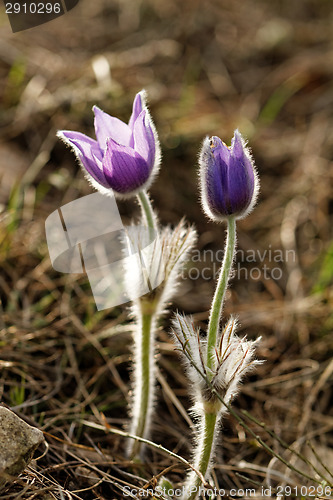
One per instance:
(229, 182)
(125, 157)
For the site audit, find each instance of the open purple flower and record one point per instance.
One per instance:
(229, 182)
(125, 157)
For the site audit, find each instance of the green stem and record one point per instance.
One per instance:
(144, 383)
(217, 305)
(204, 450)
(210, 418)
(143, 354)
(147, 211)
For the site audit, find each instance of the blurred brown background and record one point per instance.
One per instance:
(209, 67)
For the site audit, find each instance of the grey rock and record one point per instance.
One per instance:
(18, 441)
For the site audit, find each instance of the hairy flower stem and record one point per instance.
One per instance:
(147, 212)
(217, 305)
(144, 381)
(204, 451)
(212, 412)
(143, 351)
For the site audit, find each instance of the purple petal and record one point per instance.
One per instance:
(138, 106)
(77, 139)
(88, 152)
(241, 175)
(144, 139)
(237, 145)
(241, 183)
(107, 126)
(217, 179)
(219, 148)
(228, 178)
(124, 169)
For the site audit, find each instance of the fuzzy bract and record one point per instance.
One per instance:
(234, 357)
(161, 260)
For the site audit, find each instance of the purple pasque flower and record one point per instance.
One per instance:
(125, 157)
(229, 183)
